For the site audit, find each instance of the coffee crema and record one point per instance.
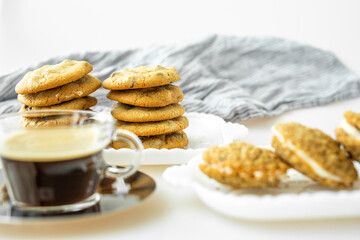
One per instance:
(47, 145)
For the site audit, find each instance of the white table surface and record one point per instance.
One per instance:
(176, 213)
(28, 34)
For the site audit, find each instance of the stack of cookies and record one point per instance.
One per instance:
(148, 105)
(57, 87)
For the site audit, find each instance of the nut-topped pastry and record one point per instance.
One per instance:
(313, 153)
(348, 133)
(242, 165)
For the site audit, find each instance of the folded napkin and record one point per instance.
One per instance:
(236, 78)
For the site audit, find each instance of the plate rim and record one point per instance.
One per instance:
(265, 200)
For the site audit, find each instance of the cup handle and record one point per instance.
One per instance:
(136, 145)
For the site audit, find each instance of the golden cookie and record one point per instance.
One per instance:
(169, 141)
(154, 128)
(352, 118)
(314, 154)
(129, 113)
(75, 104)
(77, 89)
(52, 76)
(141, 77)
(4, 194)
(242, 165)
(348, 134)
(51, 121)
(148, 97)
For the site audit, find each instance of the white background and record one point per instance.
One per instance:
(32, 31)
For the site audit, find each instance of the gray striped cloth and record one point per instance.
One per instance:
(236, 78)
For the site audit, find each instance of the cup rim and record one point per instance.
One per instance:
(107, 116)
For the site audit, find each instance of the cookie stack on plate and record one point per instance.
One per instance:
(56, 87)
(148, 105)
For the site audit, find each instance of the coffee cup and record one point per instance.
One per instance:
(52, 160)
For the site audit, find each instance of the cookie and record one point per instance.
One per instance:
(242, 165)
(49, 121)
(348, 134)
(77, 89)
(148, 97)
(58, 119)
(75, 104)
(52, 76)
(313, 153)
(141, 77)
(4, 194)
(129, 113)
(154, 128)
(169, 141)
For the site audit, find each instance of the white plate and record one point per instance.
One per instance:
(204, 130)
(296, 198)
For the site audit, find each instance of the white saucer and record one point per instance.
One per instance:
(129, 193)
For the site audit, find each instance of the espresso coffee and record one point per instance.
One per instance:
(53, 183)
(52, 167)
